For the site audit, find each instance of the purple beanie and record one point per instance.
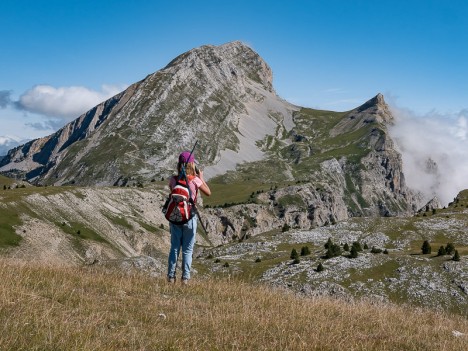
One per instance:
(185, 157)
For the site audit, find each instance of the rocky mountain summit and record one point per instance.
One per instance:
(222, 96)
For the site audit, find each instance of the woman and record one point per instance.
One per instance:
(183, 236)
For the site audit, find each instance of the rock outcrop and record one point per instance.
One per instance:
(432, 204)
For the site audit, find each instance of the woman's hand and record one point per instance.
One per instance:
(204, 188)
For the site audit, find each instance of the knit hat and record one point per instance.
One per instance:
(186, 157)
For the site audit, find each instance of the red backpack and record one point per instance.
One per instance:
(180, 208)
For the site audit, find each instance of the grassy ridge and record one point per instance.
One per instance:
(45, 308)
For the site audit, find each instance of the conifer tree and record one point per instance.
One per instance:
(294, 254)
(305, 251)
(456, 256)
(449, 248)
(333, 251)
(365, 246)
(441, 251)
(357, 245)
(329, 243)
(320, 267)
(346, 247)
(354, 252)
(426, 247)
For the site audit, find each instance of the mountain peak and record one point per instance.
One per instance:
(233, 60)
(377, 107)
(377, 101)
(222, 96)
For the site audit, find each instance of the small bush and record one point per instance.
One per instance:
(456, 256)
(209, 257)
(217, 260)
(258, 260)
(285, 227)
(375, 250)
(366, 247)
(296, 260)
(320, 267)
(226, 264)
(385, 252)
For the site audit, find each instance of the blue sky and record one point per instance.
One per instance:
(331, 55)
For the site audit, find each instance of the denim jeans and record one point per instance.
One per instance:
(182, 237)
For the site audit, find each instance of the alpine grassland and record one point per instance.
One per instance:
(91, 308)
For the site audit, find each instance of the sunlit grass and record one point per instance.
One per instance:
(60, 308)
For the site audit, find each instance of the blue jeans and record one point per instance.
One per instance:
(182, 236)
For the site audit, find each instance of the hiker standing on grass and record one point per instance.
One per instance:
(183, 235)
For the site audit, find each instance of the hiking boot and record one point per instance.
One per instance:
(185, 281)
(171, 280)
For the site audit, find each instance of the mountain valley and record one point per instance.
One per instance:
(283, 177)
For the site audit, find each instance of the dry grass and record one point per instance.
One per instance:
(64, 308)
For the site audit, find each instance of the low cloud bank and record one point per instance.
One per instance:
(435, 152)
(65, 103)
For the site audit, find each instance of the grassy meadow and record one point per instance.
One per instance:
(70, 308)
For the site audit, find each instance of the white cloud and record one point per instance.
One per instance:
(4, 139)
(64, 102)
(434, 149)
(8, 142)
